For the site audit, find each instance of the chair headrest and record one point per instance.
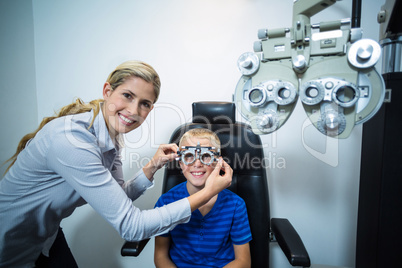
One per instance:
(214, 112)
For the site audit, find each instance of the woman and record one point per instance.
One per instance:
(74, 158)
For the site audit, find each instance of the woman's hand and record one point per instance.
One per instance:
(216, 182)
(165, 153)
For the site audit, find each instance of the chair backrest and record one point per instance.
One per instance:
(242, 150)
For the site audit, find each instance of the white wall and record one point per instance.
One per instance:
(194, 46)
(18, 104)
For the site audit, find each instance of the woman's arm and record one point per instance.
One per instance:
(242, 257)
(143, 179)
(74, 155)
(161, 256)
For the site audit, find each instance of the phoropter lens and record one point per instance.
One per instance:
(257, 96)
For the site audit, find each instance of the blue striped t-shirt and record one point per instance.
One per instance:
(207, 241)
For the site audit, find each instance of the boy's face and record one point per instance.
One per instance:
(196, 173)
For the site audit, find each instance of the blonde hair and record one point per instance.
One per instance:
(116, 78)
(201, 133)
(137, 69)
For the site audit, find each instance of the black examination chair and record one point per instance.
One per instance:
(243, 151)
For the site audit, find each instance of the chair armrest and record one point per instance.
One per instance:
(133, 248)
(290, 242)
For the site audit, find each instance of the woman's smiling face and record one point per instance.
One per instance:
(128, 105)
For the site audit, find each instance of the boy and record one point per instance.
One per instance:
(218, 233)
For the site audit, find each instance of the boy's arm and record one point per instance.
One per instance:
(242, 257)
(161, 256)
